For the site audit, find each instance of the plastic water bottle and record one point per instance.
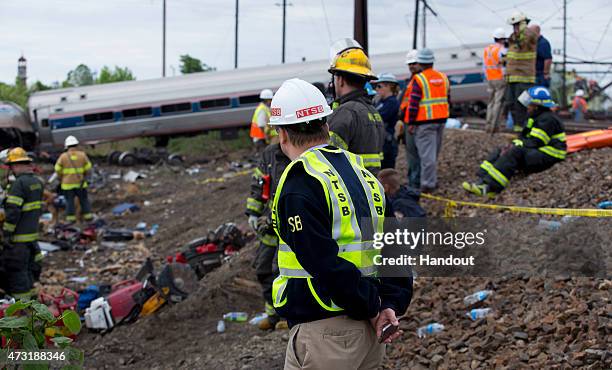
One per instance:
(236, 316)
(477, 297)
(549, 225)
(257, 319)
(429, 329)
(153, 230)
(220, 326)
(478, 313)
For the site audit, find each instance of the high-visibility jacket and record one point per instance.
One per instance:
(434, 103)
(23, 207)
(580, 103)
(72, 167)
(353, 236)
(405, 103)
(546, 133)
(521, 57)
(256, 131)
(492, 62)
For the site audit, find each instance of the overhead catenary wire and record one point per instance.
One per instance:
(603, 35)
(329, 34)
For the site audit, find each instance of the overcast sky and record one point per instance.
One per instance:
(57, 35)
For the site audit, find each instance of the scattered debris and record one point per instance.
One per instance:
(132, 176)
(125, 208)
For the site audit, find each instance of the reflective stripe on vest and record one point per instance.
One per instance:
(256, 131)
(492, 63)
(434, 102)
(345, 225)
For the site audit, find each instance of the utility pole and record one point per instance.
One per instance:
(164, 40)
(360, 23)
(416, 24)
(563, 87)
(424, 36)
(236, 39)
(284, 27)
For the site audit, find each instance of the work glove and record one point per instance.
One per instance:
(253, 222)
(517, 142)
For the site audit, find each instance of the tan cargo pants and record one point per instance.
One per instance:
(496, 90)
(337, 343)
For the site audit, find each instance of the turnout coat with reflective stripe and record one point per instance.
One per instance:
(23, 206)
(521, 57)
(72, 167)
(434, 102)
(355, 205)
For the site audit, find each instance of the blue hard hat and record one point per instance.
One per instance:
(538, 95)
(425, 56)
(368, 87)
(386, 77)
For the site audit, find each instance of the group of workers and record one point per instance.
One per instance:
(327, 181)
(22, 202)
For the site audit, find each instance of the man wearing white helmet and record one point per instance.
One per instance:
(579, 106)
(260, 119)
(326, 208)
(520, 66)
(492, 59)
(412, 155)
(72, 168)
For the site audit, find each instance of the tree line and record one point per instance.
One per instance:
(82, 75)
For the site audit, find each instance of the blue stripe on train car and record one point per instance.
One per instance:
(234, 103)
(156, 112)
(65, 122)
(117, 116)
(195, 107)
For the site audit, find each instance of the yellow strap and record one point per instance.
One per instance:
(533, 210)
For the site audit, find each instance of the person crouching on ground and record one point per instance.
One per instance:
(403, 200)
(540, 145)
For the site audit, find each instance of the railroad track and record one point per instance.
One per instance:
(570, 126)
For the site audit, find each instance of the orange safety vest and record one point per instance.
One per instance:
(256, 131)
(580, 103)
(434, 103)
(405, 104)
(492, 62)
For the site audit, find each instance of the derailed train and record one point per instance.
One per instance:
(213, 100)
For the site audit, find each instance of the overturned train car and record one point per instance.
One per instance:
(15, 127)
(213, 100)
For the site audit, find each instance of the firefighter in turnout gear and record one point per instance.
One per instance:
(72, 168)
(355, 125)
(540, 145)
(325, 211)
(265, 179)
(20, 256)
(520, 66)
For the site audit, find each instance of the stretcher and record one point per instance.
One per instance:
(589, 140)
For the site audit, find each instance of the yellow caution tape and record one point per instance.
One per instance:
(228, 176)
(452, 204)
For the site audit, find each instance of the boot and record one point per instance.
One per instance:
(269, 322)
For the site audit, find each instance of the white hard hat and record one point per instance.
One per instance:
(386, 77)
(4, 155)
(266, 94)
(579, 92)
(70, 141)
(297, 101)
(517, 17)
(341, 45)
(411, 56)
(425, 56)
(499, 33)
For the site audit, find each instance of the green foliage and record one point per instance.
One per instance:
(24, 327)
(17, 94)
(80, 76)
(39, 86)
(108, 75)
(208, 144)
(190, 64)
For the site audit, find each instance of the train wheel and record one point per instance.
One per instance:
(113, 157)
(127, 159)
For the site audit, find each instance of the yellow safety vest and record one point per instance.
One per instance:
(345, 226)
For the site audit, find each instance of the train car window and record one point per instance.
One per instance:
(98, 117)
(249, 99)
(214, 103)
(63, 98)
(137, 112)
(176, 108)
(44, 122)
(57, 110)
(454, 56)
(83, 96)
(473, 53)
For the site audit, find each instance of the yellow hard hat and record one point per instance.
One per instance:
(17, 155)
(353, 61)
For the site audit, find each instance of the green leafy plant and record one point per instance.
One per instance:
(25, 324)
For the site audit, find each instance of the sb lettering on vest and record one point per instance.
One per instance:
(276, 111)
(309, 111)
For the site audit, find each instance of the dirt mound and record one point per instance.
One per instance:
(535, 322)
